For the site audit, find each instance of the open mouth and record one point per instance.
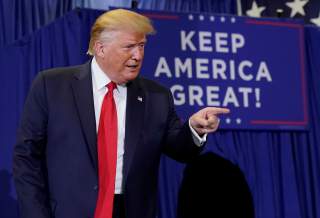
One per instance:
(133, 66)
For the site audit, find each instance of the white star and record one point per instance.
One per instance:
(228, 120)
(233, 20)
(190, 17)
(201, 17)
(316, 20)
(238, 120)
(222, 19)
(255, 11)
(297, 7)
(211, 18)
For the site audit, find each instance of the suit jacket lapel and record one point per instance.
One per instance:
(83, 94)
(136, 99)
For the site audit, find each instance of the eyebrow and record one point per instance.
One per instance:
(134, 43)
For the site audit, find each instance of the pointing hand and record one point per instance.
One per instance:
(206, 120)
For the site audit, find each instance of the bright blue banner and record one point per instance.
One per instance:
(255, 67)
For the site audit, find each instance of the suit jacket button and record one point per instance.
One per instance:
(95, 187)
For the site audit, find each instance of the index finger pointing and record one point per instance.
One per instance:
(218, 110)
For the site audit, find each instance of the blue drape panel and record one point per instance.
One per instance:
(310, 167)
(216, 6)
(281, 167)
(21, 17)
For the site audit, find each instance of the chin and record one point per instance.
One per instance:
(133, 74)
(130, 76)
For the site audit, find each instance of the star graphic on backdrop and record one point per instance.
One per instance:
(297, 7)
(238, 120)
(316, 20)
(228, 120)
(255, 11)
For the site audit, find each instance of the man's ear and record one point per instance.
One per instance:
(99, 49)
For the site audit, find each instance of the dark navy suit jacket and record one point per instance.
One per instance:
(55, 158)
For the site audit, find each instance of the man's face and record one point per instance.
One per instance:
(121, 57)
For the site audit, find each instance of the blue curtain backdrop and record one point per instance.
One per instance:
(216, 6)
(21, 17)
(281, 167)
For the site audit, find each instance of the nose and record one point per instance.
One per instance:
(137, 53)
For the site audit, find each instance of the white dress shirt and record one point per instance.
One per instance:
(99, 82)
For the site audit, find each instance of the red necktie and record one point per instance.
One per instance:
(107, 154)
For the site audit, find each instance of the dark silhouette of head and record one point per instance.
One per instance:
(214, 187)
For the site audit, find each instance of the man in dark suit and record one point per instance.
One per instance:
(95, 129)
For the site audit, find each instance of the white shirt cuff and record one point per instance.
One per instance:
(199, 141)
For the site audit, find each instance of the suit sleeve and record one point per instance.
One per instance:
(29, 168)
(179, 143)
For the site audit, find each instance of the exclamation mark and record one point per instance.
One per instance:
(257, 92)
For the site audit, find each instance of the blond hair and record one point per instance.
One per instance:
(117, 20)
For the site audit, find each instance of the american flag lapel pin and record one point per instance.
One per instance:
(139, 98)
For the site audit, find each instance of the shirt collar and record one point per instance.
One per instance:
(99, 77)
